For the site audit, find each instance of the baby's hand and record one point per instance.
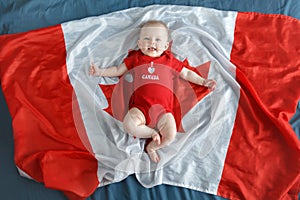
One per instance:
(211, 84)
(94, 71)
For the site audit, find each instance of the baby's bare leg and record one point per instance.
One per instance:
(134, 124)
(167, 128)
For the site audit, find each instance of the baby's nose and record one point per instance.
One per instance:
(153, 41)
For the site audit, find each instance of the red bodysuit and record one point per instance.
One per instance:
(153, 80)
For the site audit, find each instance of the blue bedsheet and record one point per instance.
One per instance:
(24, 15)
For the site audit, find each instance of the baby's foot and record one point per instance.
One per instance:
(156, 138)
(153, 155)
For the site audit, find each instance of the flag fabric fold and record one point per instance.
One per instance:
(268, 100)
(235, 142)
(39, 95)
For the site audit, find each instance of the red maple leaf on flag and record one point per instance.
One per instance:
(186, 95)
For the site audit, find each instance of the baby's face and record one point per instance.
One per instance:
(153, 40)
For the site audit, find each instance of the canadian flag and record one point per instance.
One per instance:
(235, 142)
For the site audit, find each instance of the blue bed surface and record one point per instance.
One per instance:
(21, 16)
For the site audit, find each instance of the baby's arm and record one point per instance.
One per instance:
(111, 71)
(193, 77)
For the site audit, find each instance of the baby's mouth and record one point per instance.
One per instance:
(151, 49)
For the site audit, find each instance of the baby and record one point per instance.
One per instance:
(154, 68)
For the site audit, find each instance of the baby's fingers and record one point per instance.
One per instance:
(91, 70)
(211, 84)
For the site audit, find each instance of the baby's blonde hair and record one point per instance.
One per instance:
(154, 23)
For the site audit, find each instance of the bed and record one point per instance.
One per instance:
(23, 16)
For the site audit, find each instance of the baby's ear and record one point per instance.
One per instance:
(138, 43)
(167, 45)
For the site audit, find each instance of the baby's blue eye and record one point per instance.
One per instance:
(146, 38)
(157, 40)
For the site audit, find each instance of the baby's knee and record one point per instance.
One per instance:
(169, 137)
(128, 128)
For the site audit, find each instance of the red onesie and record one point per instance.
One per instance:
(153, 80)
